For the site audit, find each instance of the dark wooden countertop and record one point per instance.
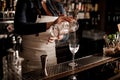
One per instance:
(63, 69)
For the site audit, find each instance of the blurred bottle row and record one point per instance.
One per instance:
(81, 5)
(80, 8)
(113, 19)
(7, 5)
(7, 9)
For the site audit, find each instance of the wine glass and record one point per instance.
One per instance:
(73, 47)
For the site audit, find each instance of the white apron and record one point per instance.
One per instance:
(35, 46)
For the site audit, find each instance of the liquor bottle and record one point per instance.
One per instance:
(2, 5)
(14, 4)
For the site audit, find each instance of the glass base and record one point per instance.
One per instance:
(73, 64)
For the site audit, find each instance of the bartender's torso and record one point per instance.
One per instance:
(32, 12)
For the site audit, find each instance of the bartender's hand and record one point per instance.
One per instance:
(60, 19)
(52, 39)
(63, 18)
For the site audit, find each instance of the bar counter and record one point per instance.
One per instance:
(63, 69)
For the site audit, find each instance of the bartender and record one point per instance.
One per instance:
(37, 39)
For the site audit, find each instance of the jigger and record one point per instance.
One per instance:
(44, 61)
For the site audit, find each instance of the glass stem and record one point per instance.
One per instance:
(73, 66)
(73, 58)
